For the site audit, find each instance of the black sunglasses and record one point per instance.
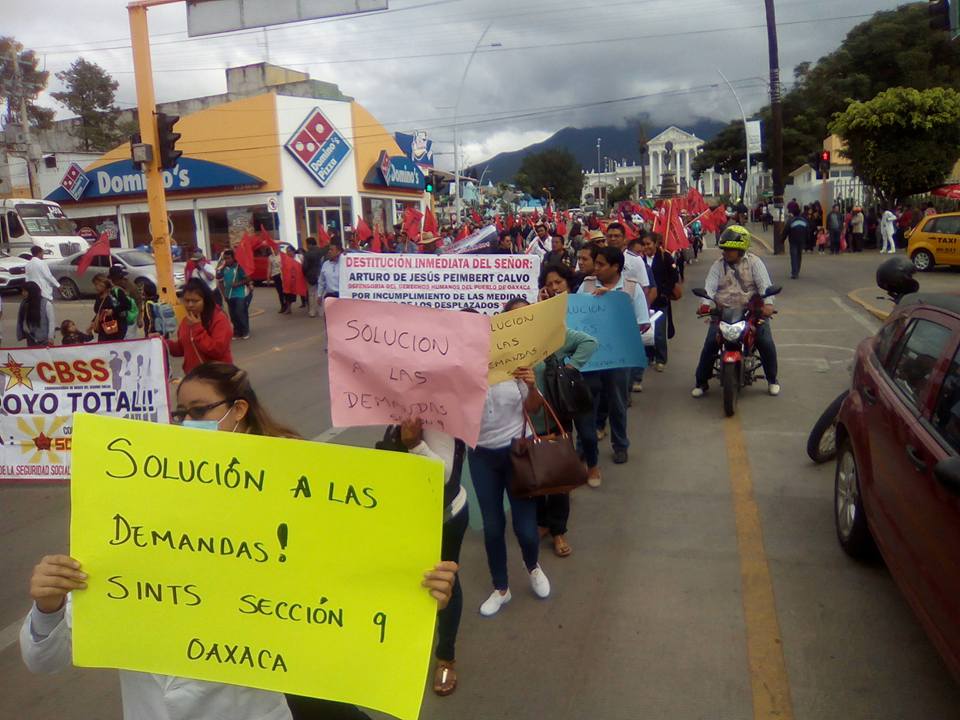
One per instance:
(196, 412)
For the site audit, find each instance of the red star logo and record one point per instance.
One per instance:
(18, 374)
(42, 442)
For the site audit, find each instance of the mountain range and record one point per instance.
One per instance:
(619, 143)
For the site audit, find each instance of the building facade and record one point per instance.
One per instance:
(289, 164)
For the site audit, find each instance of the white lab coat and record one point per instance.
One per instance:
(887, 229)
(46, 644)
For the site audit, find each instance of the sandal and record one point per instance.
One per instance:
(561, 548)
(444, 678)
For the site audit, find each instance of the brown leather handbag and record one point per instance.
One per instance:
(545, 464)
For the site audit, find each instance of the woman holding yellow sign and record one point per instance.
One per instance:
(216, 396)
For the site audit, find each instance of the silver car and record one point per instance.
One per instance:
(140, 266)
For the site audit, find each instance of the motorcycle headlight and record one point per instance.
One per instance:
(732, 331)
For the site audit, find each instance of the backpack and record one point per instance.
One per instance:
(162, 317)
(566, 390)
(132, 311)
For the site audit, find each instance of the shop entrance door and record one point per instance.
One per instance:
(328, 218)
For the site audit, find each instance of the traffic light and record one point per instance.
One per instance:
(945, 15)
(824, 164)
(429, 187)
(168, 140)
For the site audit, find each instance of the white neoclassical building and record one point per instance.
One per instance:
(686, 146)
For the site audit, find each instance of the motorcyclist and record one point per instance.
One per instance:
(731, 283)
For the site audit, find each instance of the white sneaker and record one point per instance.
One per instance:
(660, 367)
(539, 583)
(491, 606)
(774, 389)
(697, 392)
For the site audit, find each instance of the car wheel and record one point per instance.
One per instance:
(69, 289)
(923, 260)
(822, 442)
(851, 521)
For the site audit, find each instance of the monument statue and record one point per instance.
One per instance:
(668, 180)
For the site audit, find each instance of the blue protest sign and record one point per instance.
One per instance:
(610, 319)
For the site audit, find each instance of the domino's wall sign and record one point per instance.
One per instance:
(318, 147)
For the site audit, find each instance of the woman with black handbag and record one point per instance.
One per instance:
(491, 469)
(556, 380)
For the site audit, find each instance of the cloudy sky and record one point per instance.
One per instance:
(540, 65)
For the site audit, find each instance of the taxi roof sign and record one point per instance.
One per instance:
(208, 17)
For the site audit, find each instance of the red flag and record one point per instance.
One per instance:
(476, 217)
(630, 232)
(549, 212)
(647, 214)
(499, 224)
(294, 283)
(562, 228)
(510, 221)
(464, 231)
(267, 239)
(101, 247)
(536, 216)
(674, 235)
(430, 223)
(377, 243)
(244, 254)
(323, 238)
(695, 202)
(362, 232)
(411, 222)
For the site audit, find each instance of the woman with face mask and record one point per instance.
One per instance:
(215, 396)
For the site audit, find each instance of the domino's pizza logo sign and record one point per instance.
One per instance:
(318, 147)
(74, 181)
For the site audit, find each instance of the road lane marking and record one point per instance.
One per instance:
(768, 671)
(870, 327)
(10, 634)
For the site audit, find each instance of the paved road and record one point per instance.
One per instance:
(706, 581)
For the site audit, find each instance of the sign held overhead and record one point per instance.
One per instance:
(208, 17)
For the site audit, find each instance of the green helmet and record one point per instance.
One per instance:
(735, 237)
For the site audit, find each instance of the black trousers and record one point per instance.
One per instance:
(796, 257)
(278, 284)
(305, 708)
(553, 511)
(448, 619)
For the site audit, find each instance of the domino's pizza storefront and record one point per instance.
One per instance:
(290, 165)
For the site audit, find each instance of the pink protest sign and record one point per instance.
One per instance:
(389, 361)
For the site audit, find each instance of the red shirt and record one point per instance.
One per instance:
(197, 344)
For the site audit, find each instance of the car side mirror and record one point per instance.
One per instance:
(700, 293)
(947, 473)
(773, 290)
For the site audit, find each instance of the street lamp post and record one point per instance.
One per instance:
(597, 195)
(746, 183)
(456, 129)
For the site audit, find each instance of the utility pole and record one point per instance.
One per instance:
(776, 129)
(644, 153)
(24, 122)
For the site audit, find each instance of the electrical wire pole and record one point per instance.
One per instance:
(24, 122)
(776, 127)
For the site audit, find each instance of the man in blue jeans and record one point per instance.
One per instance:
(613, 385)
(234, 283)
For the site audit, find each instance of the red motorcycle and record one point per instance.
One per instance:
(738, 361)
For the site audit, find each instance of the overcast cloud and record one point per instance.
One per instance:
(541, 65)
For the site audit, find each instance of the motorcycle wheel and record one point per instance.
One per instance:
(822, 443)
(730, 380)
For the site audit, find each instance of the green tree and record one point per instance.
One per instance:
(903, 141)
(32, 82)
(894, 48)
(90, 94)
(725, 153)
(621, 193)
(556, 170)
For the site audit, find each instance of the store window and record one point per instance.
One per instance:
(183, 228)
(227, 226)
(378, 211)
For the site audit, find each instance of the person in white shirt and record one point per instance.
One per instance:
(634, 268)
(614, 383)
(888, 227)
(46, 636)
(329, 283)
(491, 471)
(39, 272)
(541, 243)
(206, 271)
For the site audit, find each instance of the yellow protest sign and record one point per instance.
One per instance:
(525, 336)
(277, 564)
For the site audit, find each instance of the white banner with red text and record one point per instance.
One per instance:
(41, 389)
(444, 282)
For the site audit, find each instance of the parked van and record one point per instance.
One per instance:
(25, 222)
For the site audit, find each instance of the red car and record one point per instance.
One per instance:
(897, 484)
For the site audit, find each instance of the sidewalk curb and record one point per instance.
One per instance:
(762, 242)
(874, 310)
